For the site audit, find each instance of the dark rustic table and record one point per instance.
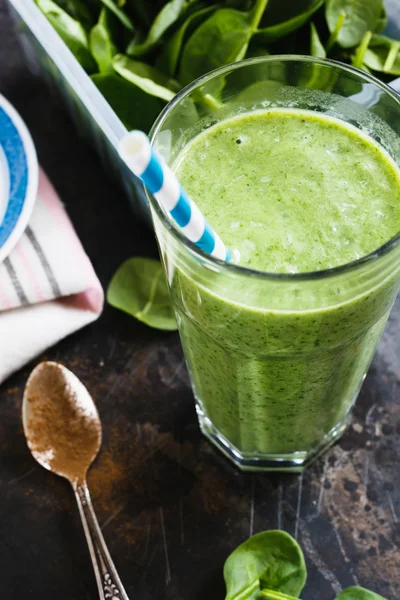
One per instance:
(171, 508)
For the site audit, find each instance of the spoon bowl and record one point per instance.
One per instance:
(61, 422)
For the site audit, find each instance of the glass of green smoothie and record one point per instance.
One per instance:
(295, 163)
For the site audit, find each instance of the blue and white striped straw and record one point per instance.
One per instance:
(144, 161)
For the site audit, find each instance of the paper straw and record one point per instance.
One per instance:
(144, 161)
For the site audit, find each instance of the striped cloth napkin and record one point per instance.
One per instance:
(48, 288)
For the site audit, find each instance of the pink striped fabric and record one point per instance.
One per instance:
(47, 276)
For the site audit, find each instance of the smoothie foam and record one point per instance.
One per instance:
(288, 188)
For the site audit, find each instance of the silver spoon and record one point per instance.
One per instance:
(63, 431)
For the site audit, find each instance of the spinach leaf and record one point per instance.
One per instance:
(165, 18)
(101, 42)
(71, 31)
(79, 11)
(249, 81)
(171, 51)
(317, 48)
(273, 595)
(357, 59)
(139, 288)
(270, 33)
(256, 50)
(258, 93)
(239, 4)
(271, 560)
(135, 108)
(221, 39)
(383, 54)
(361, 16)
(119, 13)
(333, 38)
(145, 10)
(318, 77)
(358, 593)
(145, 77)
(382, 22)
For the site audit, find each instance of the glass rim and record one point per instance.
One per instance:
(235, 269)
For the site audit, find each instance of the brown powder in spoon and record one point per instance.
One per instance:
(62, 425)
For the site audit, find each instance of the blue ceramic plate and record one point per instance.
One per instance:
(18, 177)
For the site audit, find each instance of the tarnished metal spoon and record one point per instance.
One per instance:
(63, 432)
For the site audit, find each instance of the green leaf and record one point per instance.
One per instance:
(357, 60)
(172, 48)
(269, 560)
(78, 10)
(221, 39)
(120, 14)
(259, 92)
(361, 16)
(382, 22)
(264, 78)
(101, 42)
(256, 50)
(239, 4)
(358, 593)
(145, 77)
(279, 28)
(333, 38)
(383, 54)
(135, 108)
(139, 288)
(71, 31)
(273, 595)
(167, 16)
(317, 48)
(142, 11)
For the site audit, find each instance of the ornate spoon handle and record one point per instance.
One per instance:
(108, 581)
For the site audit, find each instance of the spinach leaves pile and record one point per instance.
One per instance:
(270, 566)
(139, 53)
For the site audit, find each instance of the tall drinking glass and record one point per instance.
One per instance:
(276, 361)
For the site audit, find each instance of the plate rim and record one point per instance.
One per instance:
(32, 182)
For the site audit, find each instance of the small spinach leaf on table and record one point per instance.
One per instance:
(135, 108)
(358, 593)
(270, 560)
(361, 16)
(119, 13)
(71, 32)
(101, 40)
(139, 288)
(272, 26)
(149, 79)
(167, 16)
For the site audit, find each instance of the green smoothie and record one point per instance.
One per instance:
(288, 191)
